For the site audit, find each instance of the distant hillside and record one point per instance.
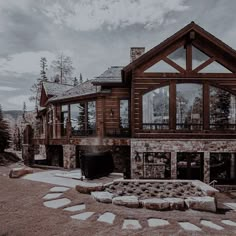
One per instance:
(13, 113)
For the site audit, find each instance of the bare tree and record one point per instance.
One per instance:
(63, 66)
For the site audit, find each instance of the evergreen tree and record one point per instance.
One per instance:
(80, 78)
(36, 87)
(75, 82)
(4, 133)
(17, 139)
(24, 112)
(43, 66)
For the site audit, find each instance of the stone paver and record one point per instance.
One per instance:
(57, 203)
(189, 226)
(107, 217)
(231, 205)
(229, 222)
(153, 222)
(131, 224)
(52, 196)
(59, 189)
(83, 216)
(79, 207)
(104, 197)
(211, 225)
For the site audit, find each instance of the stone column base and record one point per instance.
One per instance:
(69, 157)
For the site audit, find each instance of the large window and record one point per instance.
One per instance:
(156, 109)
(83, 118)
(64, 119)
(124, 114)
(189, 110)
(222, 109)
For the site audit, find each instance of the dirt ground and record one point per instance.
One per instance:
(22, 213)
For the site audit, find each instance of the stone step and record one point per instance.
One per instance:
(57, 203)
(107, 217)
(74, 208)
(211, 225)
(83, 216)
(189, 226)
(131, 224)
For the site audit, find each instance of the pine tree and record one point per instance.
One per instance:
(24, 112)
(4, 133)
(75, 82)
(80, 78)
(44, 67)
(36, 87)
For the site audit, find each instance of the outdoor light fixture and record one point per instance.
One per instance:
(111, 113)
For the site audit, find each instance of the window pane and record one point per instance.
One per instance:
(77, 116)
(222, 109)
(189, 106)
(91, 115)
(64, 117)
(124, 114)
(156, 109)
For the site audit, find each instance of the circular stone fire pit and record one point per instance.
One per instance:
(146, 190)
(154, 194)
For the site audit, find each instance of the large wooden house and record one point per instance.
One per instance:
(170, 113)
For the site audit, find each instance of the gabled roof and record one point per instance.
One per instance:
(52, 88)
(181, 33)
(86, 88)
(111, 75)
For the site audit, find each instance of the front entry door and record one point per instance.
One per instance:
(190, 165)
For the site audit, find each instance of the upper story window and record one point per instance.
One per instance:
(222, 109)
(189, 109)
(156, 109)
(124, 113)
(83, 118)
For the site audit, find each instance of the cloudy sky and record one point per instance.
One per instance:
(95, 33)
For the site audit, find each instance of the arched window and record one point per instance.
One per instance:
(222, 109)
(189, 106)
(156, 109)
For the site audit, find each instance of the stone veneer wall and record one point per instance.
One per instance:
(174, 146)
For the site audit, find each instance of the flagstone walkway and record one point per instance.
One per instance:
(54, 199)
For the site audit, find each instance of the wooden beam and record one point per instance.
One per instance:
(206, 106)
(188, 75)
(172, 105)
(173, 64)
(204, 64)
(189, 57)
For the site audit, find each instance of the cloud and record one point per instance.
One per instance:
(16, 102)
(113, 14)
(7, 89)
(26, 62)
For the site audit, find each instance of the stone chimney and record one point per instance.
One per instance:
(136, 52)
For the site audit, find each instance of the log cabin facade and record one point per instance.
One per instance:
(169, 114)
